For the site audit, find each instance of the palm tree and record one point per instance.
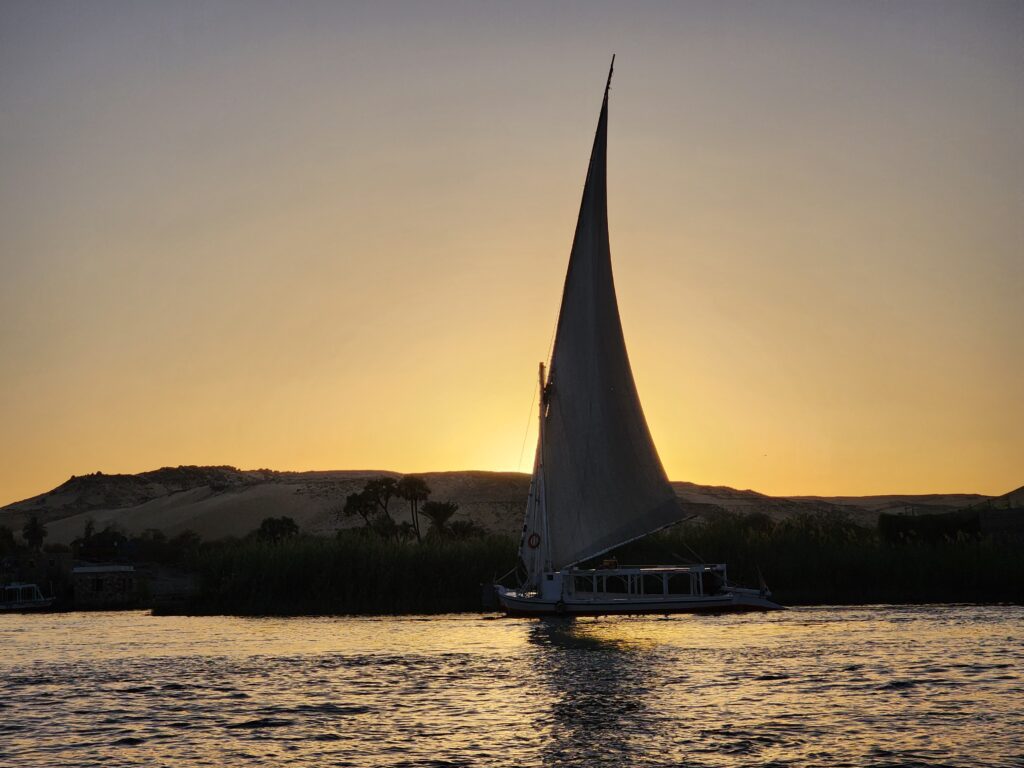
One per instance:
(358, 504)
(379, 491)
(34, 532)
(440, 513)
(406, 531)
(414, 490)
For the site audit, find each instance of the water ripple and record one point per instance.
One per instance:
(877, 686)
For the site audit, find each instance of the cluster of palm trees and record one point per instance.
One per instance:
(33, 532)
(372, 504)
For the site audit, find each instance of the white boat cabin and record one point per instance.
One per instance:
(634, 583)
(647, 581)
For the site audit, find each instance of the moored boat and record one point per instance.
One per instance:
(18, 597)
(598, 482)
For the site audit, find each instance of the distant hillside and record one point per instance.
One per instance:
(225, 501)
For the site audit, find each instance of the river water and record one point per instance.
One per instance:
(865, 686)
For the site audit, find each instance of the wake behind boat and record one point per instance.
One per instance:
(598, 482)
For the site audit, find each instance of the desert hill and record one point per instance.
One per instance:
(225, 501)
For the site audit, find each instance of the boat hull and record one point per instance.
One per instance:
(726, 602)
(28, 606)
(19, 597)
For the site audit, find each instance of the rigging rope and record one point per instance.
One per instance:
(526, 432)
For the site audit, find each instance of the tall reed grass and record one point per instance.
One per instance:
(350, 574)
(805, 560)
(819, 559)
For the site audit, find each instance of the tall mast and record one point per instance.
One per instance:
(541, 490)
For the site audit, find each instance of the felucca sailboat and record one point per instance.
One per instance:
(597, 480)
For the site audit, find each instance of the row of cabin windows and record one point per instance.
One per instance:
(20, 594)
(647, 584)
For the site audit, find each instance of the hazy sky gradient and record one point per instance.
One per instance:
(323, 235)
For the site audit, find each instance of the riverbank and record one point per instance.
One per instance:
(805, 561)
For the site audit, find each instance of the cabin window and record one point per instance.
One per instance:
(583, 584)
(653, 584)
(616, 585)
(712, 582)
(679, 584)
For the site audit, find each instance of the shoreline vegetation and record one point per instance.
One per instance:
(437, 564)
(815, 560)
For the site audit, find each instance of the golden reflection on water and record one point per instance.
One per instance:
(598, 676)
(591, 634)
(866, 686)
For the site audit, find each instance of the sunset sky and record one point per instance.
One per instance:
(333, 235)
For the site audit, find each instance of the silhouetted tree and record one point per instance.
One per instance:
(465, 529)
(384, 527)
(34, 532)
(359, 504)
(276, 529)
(439, 513)
(108, 544)
(371, 504)
(406, 532)
(414, 490)
(150, 545)
(380, 491)
(7, 542)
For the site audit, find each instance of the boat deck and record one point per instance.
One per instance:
(636, 589)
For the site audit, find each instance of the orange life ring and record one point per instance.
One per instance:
(534, 540)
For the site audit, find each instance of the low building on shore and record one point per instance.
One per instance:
(100, 586)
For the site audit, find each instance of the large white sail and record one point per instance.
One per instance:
(598, 481)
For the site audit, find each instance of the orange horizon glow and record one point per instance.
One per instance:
(325, 236)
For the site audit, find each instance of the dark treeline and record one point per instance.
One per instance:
(808, 559)
(380, 567)
(108, 545)
(435, 564)
(827, 559)
(354, 572)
